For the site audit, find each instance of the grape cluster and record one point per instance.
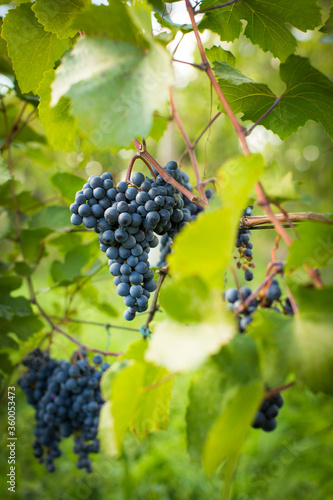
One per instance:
(245, 246)
(67, 401)
(265, 418)
(128, 217)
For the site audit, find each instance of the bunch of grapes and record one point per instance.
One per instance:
(245, 246)
(67, 401)
(266, 416)
(128, 217)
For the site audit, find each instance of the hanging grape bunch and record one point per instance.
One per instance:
(266, 416)
(244, 247)
(67, 399)
(128, 217)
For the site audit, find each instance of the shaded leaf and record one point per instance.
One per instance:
(60, 127)
(125, 84)
(57, 15)
(31, 49)
(67, 184)
(52, 217)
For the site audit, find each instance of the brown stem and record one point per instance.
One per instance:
(202, 67)
(214, 7)
(154, 306)
(55, 327)
(315, 276)
(168, 178)
(264, 203)
(189, 146)
(258, 220)
(254, 294)
(135, 157)
(240, 130)
(199, 136)
(93, 323)
(273, 392)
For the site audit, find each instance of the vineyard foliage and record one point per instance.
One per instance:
(85, 86)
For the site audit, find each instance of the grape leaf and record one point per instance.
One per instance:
(182, 348)
(315, 246)
(140, 395)
(57, 15)
(226, 22)
(52, 217)
(203, 408)
(32, 241)
(219, 54)
(266, 22)
(111, 20)
(328, 29)
(5, 175)
(187, 299)
(67, 184)
(273, 334)
(302, 344)
(228, 434)
(278, 188)
(60, 127)
(311, 354)
(125, 84)
(74, 261)
(308, 96)
(31, 49)
(204, 248)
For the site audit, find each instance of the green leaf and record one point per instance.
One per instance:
(328, 26)
(278, 188)
(67, 184)
(22, 326)
(204, 248)
(31, 49)
(112, 21)
(204, 407)
(125, 84)
(308, 96)
(228, 434)
(9, 283)
(273, 335)
(182, 348)
(6, 222)
(57, 15)
(315, 246)
(32, 241)
(266, 22)
(311, 355)
(187, 299)
(160, 124)
(14, 306)
(52, 217)
(140, 395)
(225, 21)
(218, 54)
(60, 127)
(72, 266)
(166, 22)
(302, 344)
(5, 175)
(125, 396)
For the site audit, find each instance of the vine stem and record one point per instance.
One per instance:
(264, 202)
(92, 323)
(214, 7)
(211, 121)
(135, 157)
(57, 328)
(189, 146)
(254, 294)
(168, 178)
(273, 392)
(258, 220)
(240, 130)
(154, 307)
